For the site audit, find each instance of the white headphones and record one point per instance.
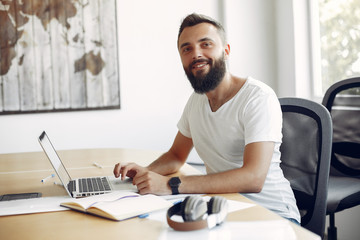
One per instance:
(197, 213)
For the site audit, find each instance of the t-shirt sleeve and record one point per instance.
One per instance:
(183, 124)
(263, 119)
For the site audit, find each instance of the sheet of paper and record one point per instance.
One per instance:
(178, 197)
(254, 230)
(236, 205)
(32, 205)
(233, 206)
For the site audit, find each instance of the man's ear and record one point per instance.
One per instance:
(227, 51)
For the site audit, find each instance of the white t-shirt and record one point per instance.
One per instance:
(252, 115)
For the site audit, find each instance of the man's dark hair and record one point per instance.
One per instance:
(194, 19)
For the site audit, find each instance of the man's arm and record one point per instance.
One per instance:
(171, 161)
(151, 179)
(249, 178)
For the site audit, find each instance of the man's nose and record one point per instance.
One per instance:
(197, 53)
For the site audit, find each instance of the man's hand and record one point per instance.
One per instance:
(127, 170)
(146, 181)
(151, 182)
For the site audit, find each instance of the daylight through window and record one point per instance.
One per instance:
(336, 36)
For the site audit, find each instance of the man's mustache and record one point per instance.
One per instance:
(209, 61)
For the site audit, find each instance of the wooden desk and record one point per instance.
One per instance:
(22, 172)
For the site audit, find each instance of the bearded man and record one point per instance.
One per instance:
(233, 123)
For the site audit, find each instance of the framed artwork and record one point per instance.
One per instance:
(58, 55)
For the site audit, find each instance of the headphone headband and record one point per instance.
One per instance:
(183, 226)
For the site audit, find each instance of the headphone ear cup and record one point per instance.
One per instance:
(210, 205)
(218, 205)
(183, 205)
(193, 208)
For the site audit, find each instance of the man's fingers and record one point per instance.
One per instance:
(117, 170)
(129, 170)
(122, 170)
(140, 178)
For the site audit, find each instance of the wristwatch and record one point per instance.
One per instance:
(174, 184)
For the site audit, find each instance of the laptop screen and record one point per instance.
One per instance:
(55, 160)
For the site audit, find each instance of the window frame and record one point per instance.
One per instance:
(315, 50)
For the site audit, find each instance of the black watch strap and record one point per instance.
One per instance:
(174, 184)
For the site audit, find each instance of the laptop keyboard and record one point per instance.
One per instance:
(95, 184)
(72, 186)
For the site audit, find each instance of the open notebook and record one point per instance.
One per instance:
(118, 205)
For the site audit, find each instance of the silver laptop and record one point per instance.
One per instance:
(81, 187)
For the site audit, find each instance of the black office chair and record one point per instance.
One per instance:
(305, 155)
(343, 102)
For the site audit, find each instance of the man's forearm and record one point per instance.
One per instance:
(166, 164)
(236, 180)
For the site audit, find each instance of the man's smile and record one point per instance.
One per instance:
(199, 64)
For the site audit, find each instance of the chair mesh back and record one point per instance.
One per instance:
(299, 156)
(305, 157)
(345, 113)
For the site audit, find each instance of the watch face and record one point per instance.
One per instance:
(174, 182)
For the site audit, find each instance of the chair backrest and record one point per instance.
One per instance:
(343, 102)
(305, 158)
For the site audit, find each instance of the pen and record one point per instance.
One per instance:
(44, 179)
(144, 215)
(97, 165)
(176, 202)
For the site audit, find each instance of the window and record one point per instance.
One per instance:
(336, 42)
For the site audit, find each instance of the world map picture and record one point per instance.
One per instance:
(58, 55)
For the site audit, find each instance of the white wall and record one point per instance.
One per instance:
(154, 88)
(251, 32)
(293, 49)
(285, 48)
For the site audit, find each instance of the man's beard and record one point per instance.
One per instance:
(203, 83)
